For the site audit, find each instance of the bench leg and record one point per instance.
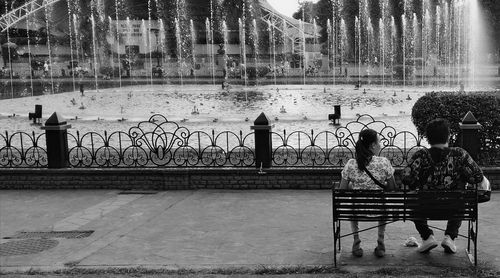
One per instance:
(468, 235)
(472, 236)
(338, 235)
(336, 241)
(334, 244)
(475, 242)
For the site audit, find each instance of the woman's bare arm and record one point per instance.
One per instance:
(391, 184)
(344, 184)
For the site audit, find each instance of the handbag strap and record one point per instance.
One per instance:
(377, 182)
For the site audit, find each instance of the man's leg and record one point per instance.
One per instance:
(451, 233)
(452, 228)
(428, 241)
(423, 228)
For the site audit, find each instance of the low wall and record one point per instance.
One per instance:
(182, 178)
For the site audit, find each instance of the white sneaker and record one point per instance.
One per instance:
(449, 245)
(428, 244)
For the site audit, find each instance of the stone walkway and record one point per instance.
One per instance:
(212, 229)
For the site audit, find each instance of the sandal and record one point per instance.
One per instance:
(357, 251)
(380, 249)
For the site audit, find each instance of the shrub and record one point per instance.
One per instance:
(106, 70)
(254, 72)
(453, 107)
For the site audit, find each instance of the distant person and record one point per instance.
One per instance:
(368, 172)
(82, 89)
(45, 68)
(440, 168)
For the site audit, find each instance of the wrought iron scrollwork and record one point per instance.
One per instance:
(159, 142)
(335, 148)
(22, 150)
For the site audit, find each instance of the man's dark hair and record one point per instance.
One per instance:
(438, 131)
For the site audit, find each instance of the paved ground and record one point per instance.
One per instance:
(210, 229)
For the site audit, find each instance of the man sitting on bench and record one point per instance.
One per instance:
(440, 168)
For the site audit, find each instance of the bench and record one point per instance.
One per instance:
(376, 205)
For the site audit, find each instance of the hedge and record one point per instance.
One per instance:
(453, 106)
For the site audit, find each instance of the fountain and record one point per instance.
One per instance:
(403, 46)
(272, 50)
(358, 45)
(118, 44)
(94, 51)
(243, 52)
(329, 46)
(148, 35)
(343, 40)
(393, 52)
(179, 49)
(255, 46)
(414, 48)
(211, 60)
(49, 47)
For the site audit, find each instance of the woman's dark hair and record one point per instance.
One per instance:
(438, 131)
(363, 152)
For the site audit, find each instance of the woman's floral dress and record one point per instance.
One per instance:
(379, 167)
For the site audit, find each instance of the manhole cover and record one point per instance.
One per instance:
(26, 246)
(59, 234)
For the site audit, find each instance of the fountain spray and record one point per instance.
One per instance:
(94, 50)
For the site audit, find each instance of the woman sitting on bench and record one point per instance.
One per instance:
(368, 172)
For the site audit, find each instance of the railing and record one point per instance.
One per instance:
(335, 148)
(21, 150)
(159, 142)
(162, 143)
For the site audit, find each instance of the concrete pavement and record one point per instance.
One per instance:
(210, 229)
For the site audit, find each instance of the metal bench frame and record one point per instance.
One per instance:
(376, 205)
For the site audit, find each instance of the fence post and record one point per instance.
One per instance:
(56, 137)
(263, 141)
(470, 139)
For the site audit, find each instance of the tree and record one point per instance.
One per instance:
(307, 11)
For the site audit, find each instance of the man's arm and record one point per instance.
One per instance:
(411, 173)
(471, 172)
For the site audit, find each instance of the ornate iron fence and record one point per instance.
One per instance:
(335, 148)
(23, 150)
(160, 143)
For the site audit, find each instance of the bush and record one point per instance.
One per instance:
(453, 107)
(106, 70)
(254, 72)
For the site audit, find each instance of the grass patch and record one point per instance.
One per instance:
(483, 271)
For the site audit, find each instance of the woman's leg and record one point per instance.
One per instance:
(381, 231)
(356, 249)
(380, 249)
